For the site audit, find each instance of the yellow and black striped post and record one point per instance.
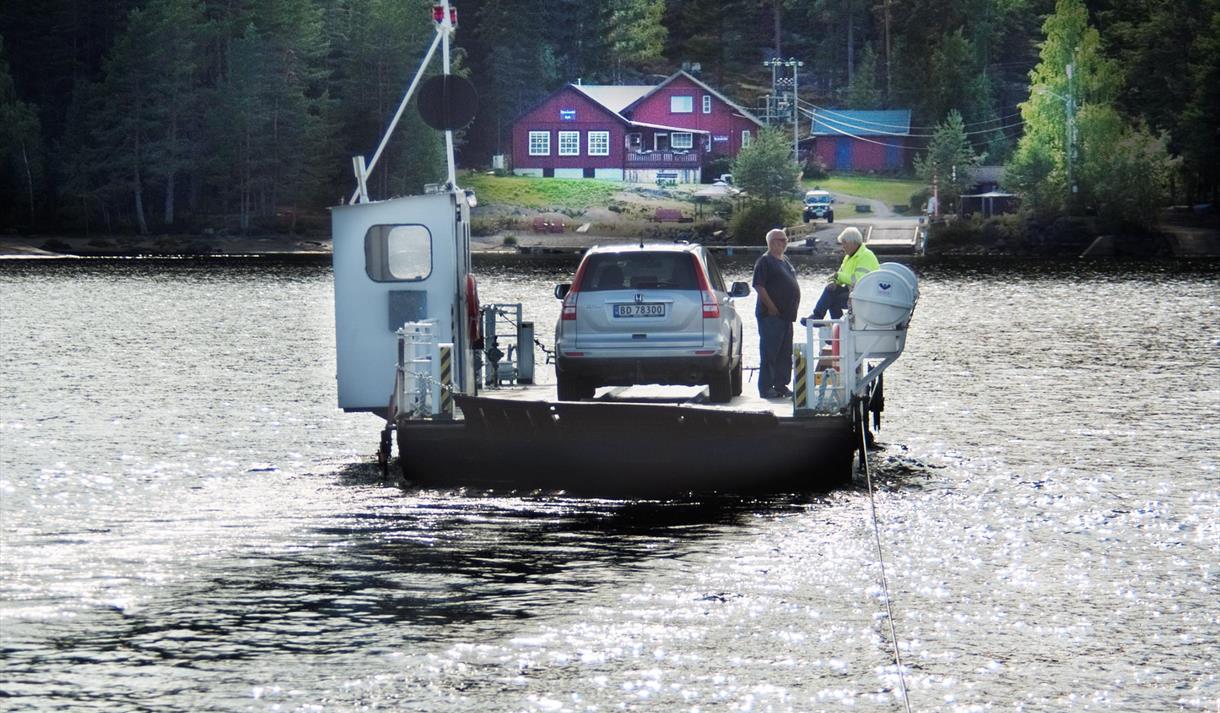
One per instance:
(445, 381)
(800, 389)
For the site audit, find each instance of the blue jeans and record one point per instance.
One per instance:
(775, 347)
(833, 300)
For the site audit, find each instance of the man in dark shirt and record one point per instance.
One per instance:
(779, 297)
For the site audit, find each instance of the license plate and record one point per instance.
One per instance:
(651, 309)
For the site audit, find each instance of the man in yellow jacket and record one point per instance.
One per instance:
(858, 261)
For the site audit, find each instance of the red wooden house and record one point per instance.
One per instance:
(864, 140)
(643, 134)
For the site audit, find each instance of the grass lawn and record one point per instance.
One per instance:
(891, 191)
(575, 194)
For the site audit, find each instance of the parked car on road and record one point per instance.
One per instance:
(648, 314)
(818, 205)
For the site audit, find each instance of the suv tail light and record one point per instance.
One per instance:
(569, 300)
(711, 308)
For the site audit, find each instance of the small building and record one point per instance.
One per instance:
(988, 204)
(636, 133)
(864, 140)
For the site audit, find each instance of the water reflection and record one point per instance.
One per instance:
(189, 523)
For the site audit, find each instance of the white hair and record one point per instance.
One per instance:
(851, 235)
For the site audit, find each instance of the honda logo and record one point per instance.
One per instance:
(639, 298)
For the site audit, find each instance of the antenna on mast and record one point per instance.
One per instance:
(446, 102)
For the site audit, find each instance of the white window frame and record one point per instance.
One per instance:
(573, 139)
(597, 143)
(707, 103)
(674, 108)
(687, 143)
(540, 143)
(745, 138)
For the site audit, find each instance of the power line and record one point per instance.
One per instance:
(834, 125)
(882, 143)
(832, 112)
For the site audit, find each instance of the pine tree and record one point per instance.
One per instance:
(950, 160)
(862, 91)
(125, 122)
(765, 169)
(19, 143)
(176, 32)
(635, 34)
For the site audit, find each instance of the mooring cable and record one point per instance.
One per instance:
(885, 586)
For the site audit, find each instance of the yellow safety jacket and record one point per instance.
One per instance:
(855, 266)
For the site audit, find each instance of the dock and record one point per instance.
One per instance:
(894, 236)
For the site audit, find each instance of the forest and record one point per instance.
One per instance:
(242, 115)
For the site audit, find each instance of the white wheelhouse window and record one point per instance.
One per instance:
(540, 143)
(681, 104)
(398, 253)
(707, 103)
(569, 143)
(681, 140)
(598, 143)
(745, 138)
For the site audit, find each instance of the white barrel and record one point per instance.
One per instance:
(906, 272)
(882, 299)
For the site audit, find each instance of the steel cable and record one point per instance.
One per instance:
(885, 586)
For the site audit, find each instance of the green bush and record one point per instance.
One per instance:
(815, 170)
(954, 234)
(919, 199)
(750, 225)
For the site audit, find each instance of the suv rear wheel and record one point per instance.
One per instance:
(720, 386)
(571, 388)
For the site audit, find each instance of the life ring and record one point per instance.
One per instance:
(474, 325)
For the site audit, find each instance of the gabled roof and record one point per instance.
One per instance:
(615, 97)
(618, 98)
(861, 122)
(683, 73)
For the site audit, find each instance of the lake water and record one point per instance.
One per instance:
(188, 523)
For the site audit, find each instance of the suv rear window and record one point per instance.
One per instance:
(640, 271)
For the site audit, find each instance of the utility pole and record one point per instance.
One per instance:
(887, 52)
(796, 115)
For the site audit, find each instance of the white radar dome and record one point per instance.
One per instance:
(882, 299)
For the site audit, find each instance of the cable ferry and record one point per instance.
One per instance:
(458, 391)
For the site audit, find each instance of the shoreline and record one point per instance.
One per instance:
(1182, 244)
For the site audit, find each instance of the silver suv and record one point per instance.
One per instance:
(648, 314)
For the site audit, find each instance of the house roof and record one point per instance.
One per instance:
(683, 73)
(618, 98)
(615, 97)
(861, 122)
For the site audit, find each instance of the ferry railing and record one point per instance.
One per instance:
(836, 363)
(423, 377)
